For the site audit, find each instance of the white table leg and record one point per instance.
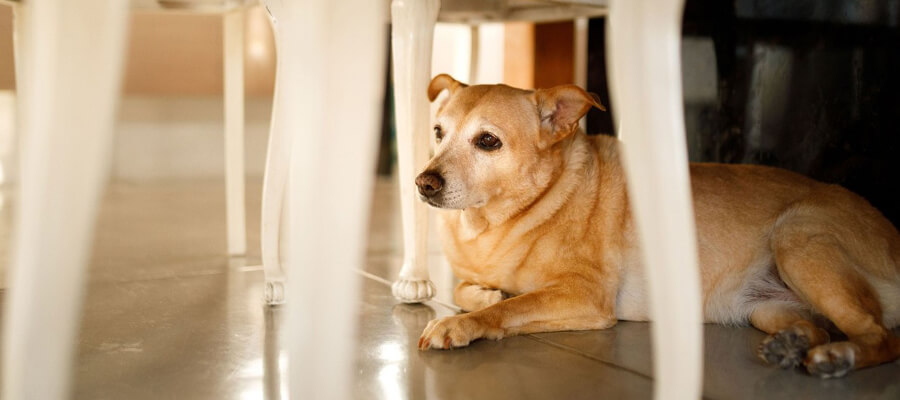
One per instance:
(20, 22)
(411, 39)
(474, 44)
(20, 26)
(278, 158)
(580, 58)
(645, 74)
(233, 34)
(331, 81)
(72, 65)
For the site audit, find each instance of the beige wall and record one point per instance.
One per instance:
(176, 54)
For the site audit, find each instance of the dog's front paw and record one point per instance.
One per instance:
(474, 297)
(491, 297)
(832, 360)
(454, 331)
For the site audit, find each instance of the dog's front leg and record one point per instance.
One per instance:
(473, 297)
(563, 307)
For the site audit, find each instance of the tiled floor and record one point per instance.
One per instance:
(167, 316)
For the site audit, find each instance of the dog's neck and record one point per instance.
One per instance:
(475, 221)
(472, 222)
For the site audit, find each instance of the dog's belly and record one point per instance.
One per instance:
(728, 298)
(732, 296)
(631, 299)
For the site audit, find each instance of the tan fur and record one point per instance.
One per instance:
(546, 219)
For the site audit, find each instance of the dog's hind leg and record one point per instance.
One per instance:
(816, 267)
(791, 333)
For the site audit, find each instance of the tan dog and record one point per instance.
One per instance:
(535, 209)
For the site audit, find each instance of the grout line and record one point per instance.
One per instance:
(202, 272)
(160, 277)
(575, 351)
(450, 306)
(538, 339)
(374, 277)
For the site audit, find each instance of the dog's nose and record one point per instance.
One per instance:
(429, 183)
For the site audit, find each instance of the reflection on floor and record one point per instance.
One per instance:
(168, 316)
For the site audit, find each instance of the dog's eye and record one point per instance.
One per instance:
(438, 133)
(488, 142)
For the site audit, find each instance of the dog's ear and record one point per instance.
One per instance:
(561, 107)
(443, 82)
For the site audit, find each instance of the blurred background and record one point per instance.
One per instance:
(170, 118)
(808, 85)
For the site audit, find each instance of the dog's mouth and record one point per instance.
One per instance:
(443, 202)
(431, 201)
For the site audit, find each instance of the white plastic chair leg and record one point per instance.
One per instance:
(331, 83)
(278, 158)
(71, 67)
(644, 39)
(233, 34)
(411, 39)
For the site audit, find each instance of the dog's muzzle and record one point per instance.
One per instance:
(429, 183)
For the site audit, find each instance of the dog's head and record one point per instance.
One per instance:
(496, 144)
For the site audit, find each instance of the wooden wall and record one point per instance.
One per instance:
(539, 55)
(180, 54)
(7, 62)
(175, 54)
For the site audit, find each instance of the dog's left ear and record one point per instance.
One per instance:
(443, 82)
(561, 107)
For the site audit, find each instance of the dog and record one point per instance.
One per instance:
(535, 221)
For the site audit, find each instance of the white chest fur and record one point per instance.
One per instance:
(631, 299)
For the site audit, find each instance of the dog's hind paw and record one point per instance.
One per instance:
(831, 360)
(413, 290)
(784, 349)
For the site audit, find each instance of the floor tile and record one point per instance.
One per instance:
(198, 337)
(166, 229)
(732, 370)
(391, 367)
(168, 316)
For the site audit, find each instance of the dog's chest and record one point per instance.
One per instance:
(491, 262)
(479, 265)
